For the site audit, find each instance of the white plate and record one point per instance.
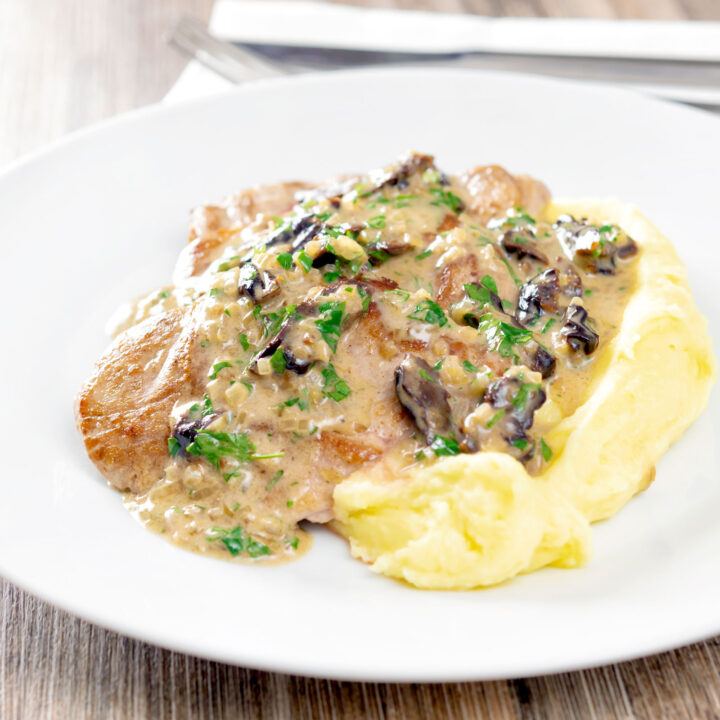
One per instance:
(101, 216)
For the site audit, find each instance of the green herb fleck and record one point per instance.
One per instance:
(278, 362)
(430, 312)
(332, 275)
(495, 418)
(334, 386)
(377, 222)
(275, 479)
(445, 197)
(285, 259)
(242, 339)
(445, 446)
(237, 541)
(214, 445)
(330, 322)
(545, 450)
(469, 366)
(217, 367)
(173, 446)
(305, 260)
(424, 254)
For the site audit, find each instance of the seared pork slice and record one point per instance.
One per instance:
(123, 410)
(493, 190)
(212, 226)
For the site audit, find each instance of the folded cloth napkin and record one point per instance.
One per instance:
(317, 24)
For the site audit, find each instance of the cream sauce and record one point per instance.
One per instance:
(391, 271)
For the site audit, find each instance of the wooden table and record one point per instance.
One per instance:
(65, 63)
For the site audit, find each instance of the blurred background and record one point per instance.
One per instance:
(66, 63)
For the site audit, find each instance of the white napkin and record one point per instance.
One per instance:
(328, 25)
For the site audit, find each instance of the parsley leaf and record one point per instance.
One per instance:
(332, 275)
(275, 479)
(237, 541)
(433, 313)
(173, 446)
(330, 322)
(501, 336)
(215, 445)
(424, 254)
(285, 259)
(444, 446)
(545, 450)
(207, 406)
(242, 339)
(377, 222)
(277, 361)
(305, 260)
(334, 386)
(217, 367)
(445, 197)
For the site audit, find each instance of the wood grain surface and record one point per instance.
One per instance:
(66, 63)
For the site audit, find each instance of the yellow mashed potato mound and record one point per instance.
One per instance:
(477, 520)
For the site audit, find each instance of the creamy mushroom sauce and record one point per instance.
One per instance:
(376, 319)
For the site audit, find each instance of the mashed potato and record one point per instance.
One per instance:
(476, 520)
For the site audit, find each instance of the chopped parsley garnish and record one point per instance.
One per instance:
(494, 418)
(438, 364)
(425, 375)
(215, 445)
(237, 541)
(247, 385)
(512, 273)
(242, 339)
(377, 222)
(469, 366)
(173, 446)
(365, 299)
(207, 406)
(588, 292)
(278, 362)
(424, 254)
(519, 217)
(481, 293)
(275, 479)
(305, 260)
(334, 386)
(445, 197)
(545, 450)
(502, 336)
(163, 294)
(444, 446)
(430, 312)
(271, 321)
(285, 259)
(217, 367)
(332, 275)
(302, 403)
(404, 295)
(293, 543)
(330, 322)
(523, 394)
(379, 255)
(214, 292)
(520, 443)
(547, 325)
